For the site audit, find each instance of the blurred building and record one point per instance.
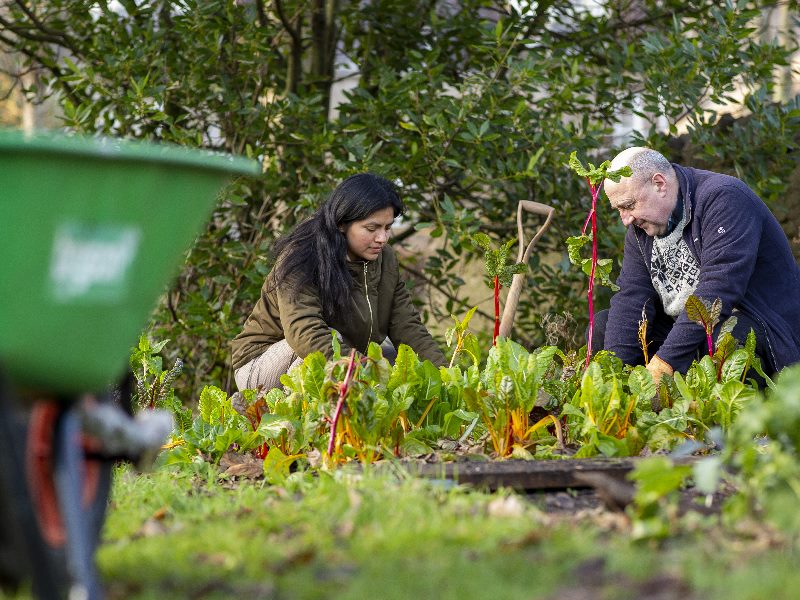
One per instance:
(23, 102)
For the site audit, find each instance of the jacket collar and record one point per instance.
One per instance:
(686, 186)
(356, 267)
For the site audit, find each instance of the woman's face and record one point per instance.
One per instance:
(366, 238)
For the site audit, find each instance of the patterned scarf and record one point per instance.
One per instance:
(673, 269)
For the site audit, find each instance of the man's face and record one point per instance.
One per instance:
(648, 205)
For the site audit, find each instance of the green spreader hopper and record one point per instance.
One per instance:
(92, 230)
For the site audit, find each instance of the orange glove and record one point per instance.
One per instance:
(657, 368)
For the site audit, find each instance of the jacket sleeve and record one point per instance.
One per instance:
(406, 327)
(635, 293)
(303, 325)
(730, 232)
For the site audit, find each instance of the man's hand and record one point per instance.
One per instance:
(657, 368)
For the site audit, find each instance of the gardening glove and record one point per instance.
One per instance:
(120, 436)
(657, 368)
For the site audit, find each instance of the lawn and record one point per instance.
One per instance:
(186, 533)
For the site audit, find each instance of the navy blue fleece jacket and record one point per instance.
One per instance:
(745, 260)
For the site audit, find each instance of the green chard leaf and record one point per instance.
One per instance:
(574, 245)
(698, 311)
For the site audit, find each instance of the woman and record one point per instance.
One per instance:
(336, 272)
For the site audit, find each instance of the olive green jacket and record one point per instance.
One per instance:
(381, 307)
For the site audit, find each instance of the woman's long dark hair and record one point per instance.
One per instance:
(314, 254)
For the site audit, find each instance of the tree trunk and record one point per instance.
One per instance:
(323, 47)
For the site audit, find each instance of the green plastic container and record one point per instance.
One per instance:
(92, 232)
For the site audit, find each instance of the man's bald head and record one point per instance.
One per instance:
(646, 198)
(644, 162)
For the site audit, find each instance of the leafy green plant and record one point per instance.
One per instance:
(760, 457)
(216, 429)
(378, 398)
(499, 272)
(464, 339)
(706, 315)
(153, 383)
(654, 511)
(703, 399)
(595, 176)
(509, 387)
(726, 354)
(255, 409)
(603, 414)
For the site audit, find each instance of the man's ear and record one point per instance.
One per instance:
(660, 182)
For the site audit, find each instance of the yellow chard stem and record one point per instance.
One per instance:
(425, 412)
(643, 339)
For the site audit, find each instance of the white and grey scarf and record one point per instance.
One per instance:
(674, 269)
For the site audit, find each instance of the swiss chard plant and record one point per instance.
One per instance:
(217, 428)
(706, 315)
(344, 388)
(462, 340)
(595, 268)
(519, 404)
(603, 413)
(508, 390)
(372, 417)
(726, 355)
(500, 273)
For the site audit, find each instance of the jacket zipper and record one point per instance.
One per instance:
(369, 304)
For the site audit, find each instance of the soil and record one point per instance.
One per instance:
(566, 501)
(593, 582)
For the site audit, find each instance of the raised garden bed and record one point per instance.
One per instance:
(530, 475)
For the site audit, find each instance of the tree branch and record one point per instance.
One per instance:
(295, 35)
(261, 13)
(53, 35)
(45, 38)
(293, 69)
(57, 73)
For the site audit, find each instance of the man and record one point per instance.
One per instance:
(696, 232)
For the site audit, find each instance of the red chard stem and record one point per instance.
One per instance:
(496, 310)
(343, 389)
(593, 217)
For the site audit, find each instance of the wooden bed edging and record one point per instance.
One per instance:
(529, 475)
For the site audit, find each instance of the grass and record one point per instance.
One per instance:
(336, 535)
(188, 535)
